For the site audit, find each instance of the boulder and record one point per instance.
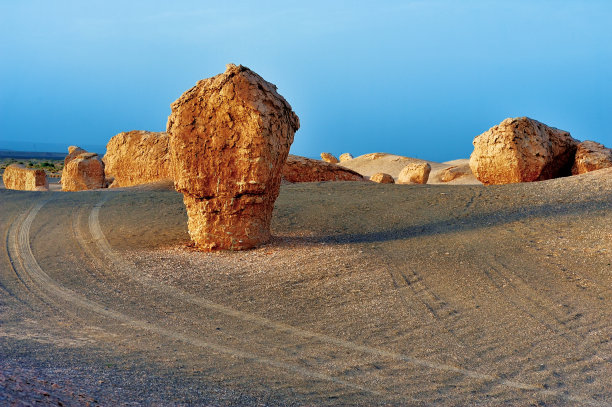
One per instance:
(73, 152)
(346, 157)
(229, 140)
(591, 156)
(414, 173)
(302, 169)
(328, 158)
(137, 157)
(85, 171)
(522, 150)
(452, 173)
(17, 176)
(382, 178)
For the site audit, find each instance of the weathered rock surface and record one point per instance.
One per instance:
(17, 176)
(414, 173)
(591, 156)
(229, 140)
(85, 171)
(382, 178)
(137, 157)
(73, 152)
(329, 158)
(452, 173)
(522, 150)
(346, 157)
(302, 169)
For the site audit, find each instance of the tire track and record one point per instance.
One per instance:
(19, 246)
(438, 306)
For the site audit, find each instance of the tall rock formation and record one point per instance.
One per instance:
(229, 139)
(17, 176)
(137, 157)
(522, 150)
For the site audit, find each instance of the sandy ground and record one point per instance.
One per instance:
(368, 294)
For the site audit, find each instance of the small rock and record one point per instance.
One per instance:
(382, 178)
(328, 158)
(414, 173)
(346, 157)
(302, 169)
(591, 156)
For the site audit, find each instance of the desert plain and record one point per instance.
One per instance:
(367, 294)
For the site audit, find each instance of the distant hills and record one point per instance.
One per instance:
(31, 154)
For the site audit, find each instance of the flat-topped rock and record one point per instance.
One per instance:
(229, 140)
(83, 171)
(137, 157)
(17, 176)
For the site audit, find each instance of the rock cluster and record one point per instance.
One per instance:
(302, 169)
(522, 150)
(137, 157)
(346, 157)
(382, 178)
(414, 173)
(82, 171)
(17, 176)
(329, 158)
(591, 156)
(229, 139)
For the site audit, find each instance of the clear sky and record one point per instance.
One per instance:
(416, 78)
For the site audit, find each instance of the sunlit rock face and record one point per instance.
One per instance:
(137, 157)
(414, 173)
(382, 178)
(17, 176)
(302, 169)
(229, 139)
(522, 150)
(591, 156)
(83, 172)
(329, 158)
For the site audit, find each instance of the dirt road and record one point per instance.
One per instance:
(367, 295)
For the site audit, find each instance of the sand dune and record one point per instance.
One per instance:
(368, 295)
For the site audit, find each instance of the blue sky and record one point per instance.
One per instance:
(416, 78)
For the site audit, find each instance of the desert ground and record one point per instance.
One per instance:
(368, 294)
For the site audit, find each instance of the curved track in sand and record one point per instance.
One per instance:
(117, 295)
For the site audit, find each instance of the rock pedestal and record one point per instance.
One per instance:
(17, 176)
(229, 139)
(522, 150)
(137, 157)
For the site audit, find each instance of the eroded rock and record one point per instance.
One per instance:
(83, 172)
(329, 158)
(345, 157)
(229, 139)
(302, 169)
(17, 176)
(382, 178)
(591, 156)
(137, 157)
(414, 173)
(522, 150)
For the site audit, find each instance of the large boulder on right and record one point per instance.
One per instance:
(522, 150)
(591, 156)
(83, 172)
(302, 169)
(17, 176)
(137, 157)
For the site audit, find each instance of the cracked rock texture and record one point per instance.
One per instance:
(137, 157)
(591, 156)
(17, 176)
(522, 150)
(302, 169)
(414, 173)
(229, 139)
(82, 172)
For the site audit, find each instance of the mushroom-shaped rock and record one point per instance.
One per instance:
(346, 157)
(302, 169)
(137, 157)
(591, 156)
(382, 178)
(17, 176)
(414, 173)
(522, 150)
(85, 171)
(329, 158)
(229, 139)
